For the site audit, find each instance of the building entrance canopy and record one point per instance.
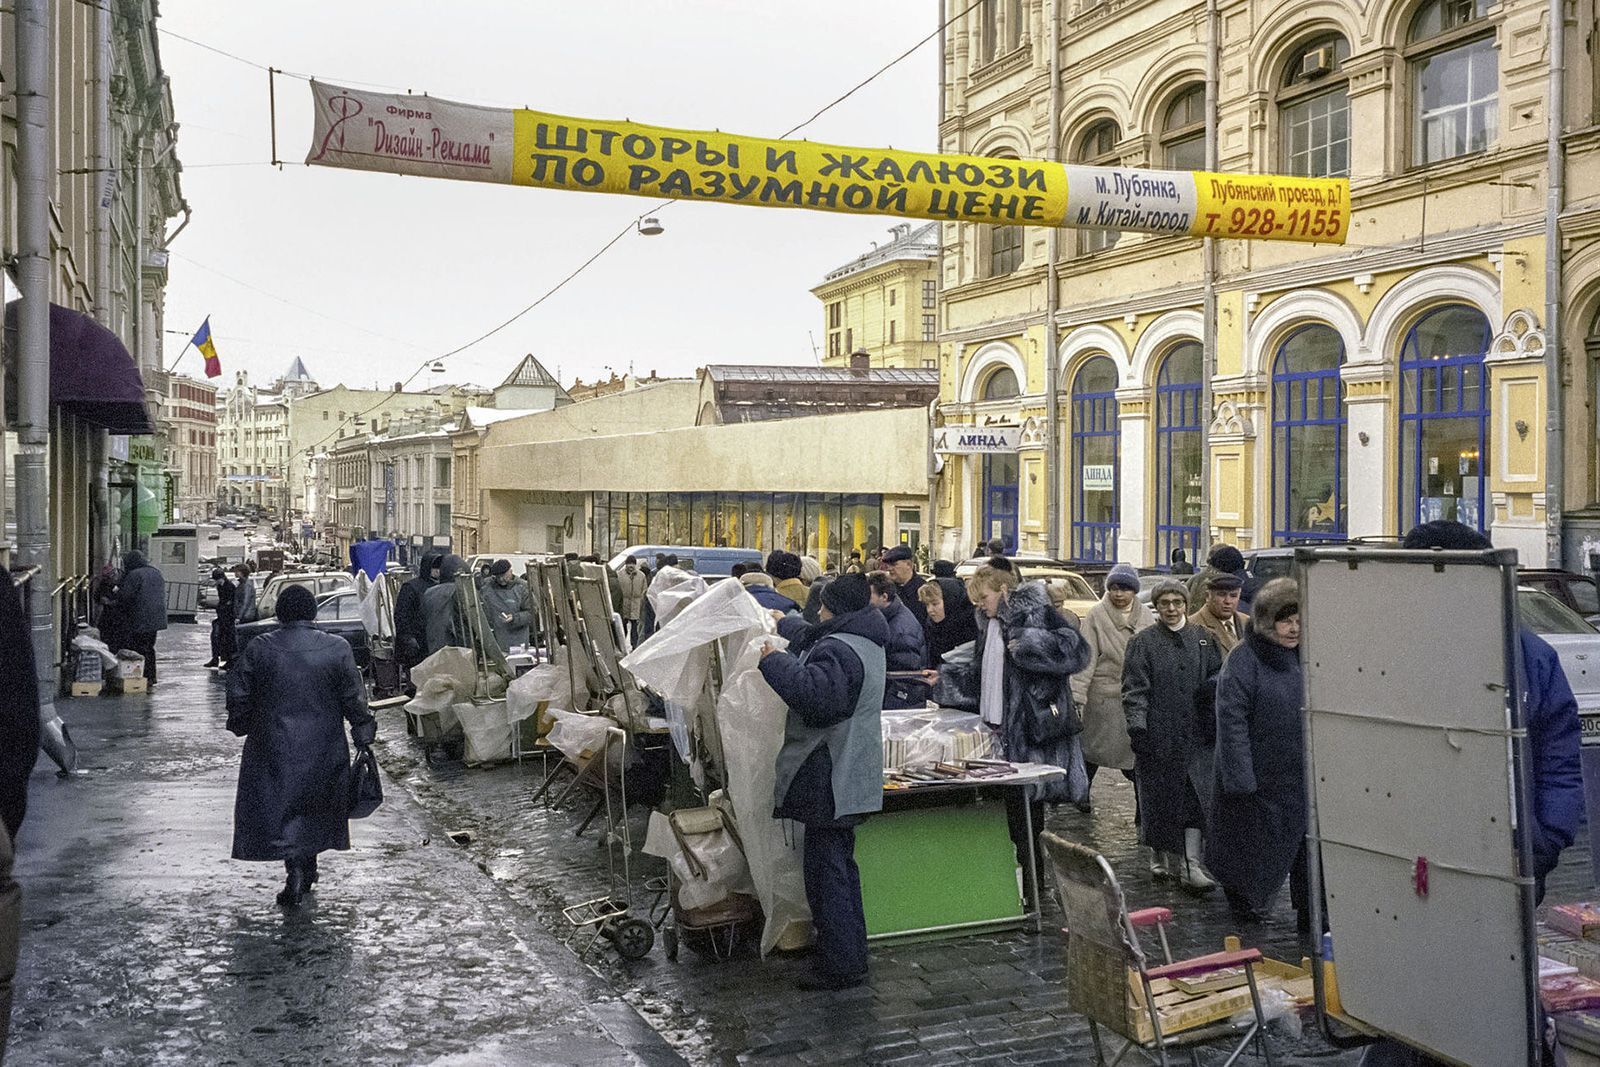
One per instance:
(91, 373)
(428, 137)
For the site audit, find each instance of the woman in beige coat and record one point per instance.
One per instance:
(1097, 688)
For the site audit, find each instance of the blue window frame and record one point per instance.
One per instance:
(1308, 432)
(1000, 498)
(1444, 418)
(1178, 455)
(1095, 461)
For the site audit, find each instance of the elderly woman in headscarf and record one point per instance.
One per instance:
(1107, 628)
(1258, 827)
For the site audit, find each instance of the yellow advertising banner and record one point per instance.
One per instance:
(427, 137)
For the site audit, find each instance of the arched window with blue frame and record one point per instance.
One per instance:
(1444, 418)
(1178, 454)
(1095, 461)
(1308, 431)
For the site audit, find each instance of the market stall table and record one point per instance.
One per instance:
(939, 861)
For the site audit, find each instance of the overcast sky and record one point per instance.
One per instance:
(365, 276)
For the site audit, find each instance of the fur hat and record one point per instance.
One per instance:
(943, 568)
(1226, 558)
(1277, 600)
(1125, 576)
(810, 569)
(845, 594)
(1445, 534)
(783, 565)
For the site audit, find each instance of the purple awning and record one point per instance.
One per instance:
(91, 373)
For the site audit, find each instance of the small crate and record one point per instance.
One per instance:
(129, 685)
(1182, 1011)
(87, 689)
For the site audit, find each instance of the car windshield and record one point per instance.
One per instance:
(1544, 614)
(332, 608)
(1585, 595)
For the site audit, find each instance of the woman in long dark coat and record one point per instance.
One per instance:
(288, 697)
(1258, 825)
(1169, 675)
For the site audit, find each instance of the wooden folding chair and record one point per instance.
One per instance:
(1103, 948)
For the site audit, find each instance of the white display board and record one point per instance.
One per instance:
(1413, 763)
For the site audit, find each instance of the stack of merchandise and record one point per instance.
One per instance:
(1569, 973)
(917, 737)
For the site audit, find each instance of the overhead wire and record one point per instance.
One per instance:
(553, 290)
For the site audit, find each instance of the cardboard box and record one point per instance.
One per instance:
(1578, 920)
(87, 689)
(129, 685)
(130, 665)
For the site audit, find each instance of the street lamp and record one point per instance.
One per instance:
(650, 226)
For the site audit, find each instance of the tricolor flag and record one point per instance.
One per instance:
(202, 341)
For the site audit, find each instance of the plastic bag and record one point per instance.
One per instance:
(671, 590)
(674, 661)
(458, 666)
(919, 736)
(577, 737)
(94, 647)
(961, 655)
(718, 870)
(547, 682)
(1277, 1006)
(487, 730)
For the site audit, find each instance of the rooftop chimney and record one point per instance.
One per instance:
(860, 360)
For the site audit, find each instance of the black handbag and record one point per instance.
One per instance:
(1048, 723)
(366, 789)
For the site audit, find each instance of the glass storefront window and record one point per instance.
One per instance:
(602, 525)
(1308, 430)
(1095, 439)
(1178, 457)
(728, 531)
(677, 519)
(822, 527)
(1444, 418)
(757, 527)
(861, 526)
(788, 521)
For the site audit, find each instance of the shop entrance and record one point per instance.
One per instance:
(1000, 498)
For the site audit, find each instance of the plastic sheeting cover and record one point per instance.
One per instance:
(487, 730)
(546, 682)
(674, 660)
(751, 718)
(578, 737)
(671, 590)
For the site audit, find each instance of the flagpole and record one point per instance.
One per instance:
(179, 360)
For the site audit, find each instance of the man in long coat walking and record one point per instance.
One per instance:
(1168, 687)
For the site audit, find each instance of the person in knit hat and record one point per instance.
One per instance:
(1168, 684)
(830, 768)
(1097, 689)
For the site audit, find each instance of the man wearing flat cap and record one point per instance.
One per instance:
(903, 572)
(1220, 615)
(507, 606)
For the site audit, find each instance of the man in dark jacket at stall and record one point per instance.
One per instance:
(907, 647)
(289, 698)
(830, 768)
(222, 627)
(142, 603)
(19, 748)
(1550, 715)
(410, 626)
(1169, 675)
(441, 619)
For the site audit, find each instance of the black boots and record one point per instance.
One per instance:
(300, 876)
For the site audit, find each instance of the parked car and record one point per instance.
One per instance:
(709, 563)
(337, 613)
(319, 582)
(1576, 591)
(1576, 642)
(1080, 595)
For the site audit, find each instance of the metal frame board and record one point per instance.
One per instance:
(1416, 776)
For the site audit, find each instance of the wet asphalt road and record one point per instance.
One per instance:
(143, 943)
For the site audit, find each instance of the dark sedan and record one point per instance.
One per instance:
(337, 613)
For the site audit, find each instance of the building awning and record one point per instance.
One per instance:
(91, 373)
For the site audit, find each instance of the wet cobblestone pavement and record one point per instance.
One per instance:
(143, 943)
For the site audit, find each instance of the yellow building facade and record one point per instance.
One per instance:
(1357, 389)
(885, 302)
